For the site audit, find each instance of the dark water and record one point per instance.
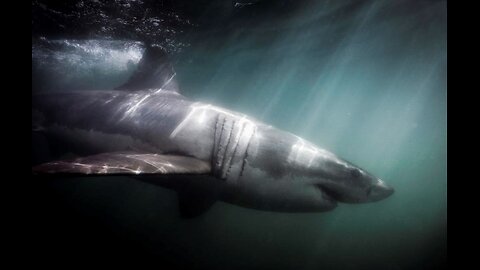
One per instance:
(364, 79)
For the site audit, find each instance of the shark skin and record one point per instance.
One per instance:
(148, 130)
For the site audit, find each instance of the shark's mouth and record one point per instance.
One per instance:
(339, 195)
(330, 193)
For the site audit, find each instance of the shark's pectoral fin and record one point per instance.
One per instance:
(193, 204)
(127, 163)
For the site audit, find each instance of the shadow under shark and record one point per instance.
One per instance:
(146, 129)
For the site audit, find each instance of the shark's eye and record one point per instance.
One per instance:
(355, 173)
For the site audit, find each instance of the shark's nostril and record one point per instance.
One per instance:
(390, 191)
(369, 190)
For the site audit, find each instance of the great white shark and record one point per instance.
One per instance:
(148, 130)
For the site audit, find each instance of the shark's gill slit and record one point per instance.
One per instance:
(237, 142)
(226, 158)
(244, 161)
(218, 156)
(214, 145)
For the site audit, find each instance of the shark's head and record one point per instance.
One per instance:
(318, 178)
(337, 178)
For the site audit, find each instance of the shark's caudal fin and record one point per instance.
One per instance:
(154, 71)
(125, 163)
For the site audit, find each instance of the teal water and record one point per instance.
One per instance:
(370, 87)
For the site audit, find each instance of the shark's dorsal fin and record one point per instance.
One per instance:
(154, 72)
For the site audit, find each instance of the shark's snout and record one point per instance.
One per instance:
(379, 191)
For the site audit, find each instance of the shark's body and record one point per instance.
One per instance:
(149, 130)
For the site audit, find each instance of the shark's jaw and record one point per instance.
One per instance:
(374, 192)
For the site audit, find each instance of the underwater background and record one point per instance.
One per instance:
(363, 79)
